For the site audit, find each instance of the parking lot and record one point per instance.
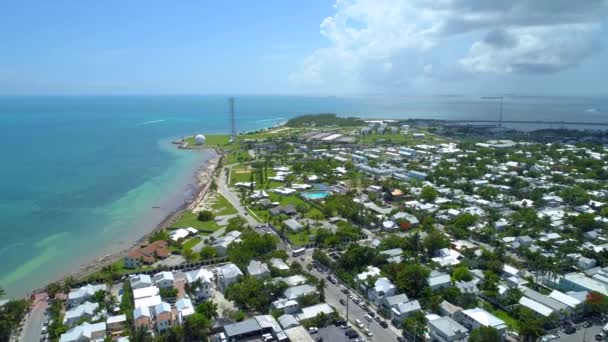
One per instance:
(582, 334)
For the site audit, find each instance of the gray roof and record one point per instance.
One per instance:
(288, 321)
(298, 291)
(396, 299)
(240, 328)
(447, 326)
(408, 307)
(544, 300)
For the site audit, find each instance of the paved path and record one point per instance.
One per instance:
(33, 324)
(223, 189)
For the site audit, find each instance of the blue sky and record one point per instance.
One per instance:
(303, 47)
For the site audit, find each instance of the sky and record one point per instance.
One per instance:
(310, 47)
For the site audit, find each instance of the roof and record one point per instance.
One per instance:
(383, 285)
(566, 299)
(140, 279)
(535, 306)
(116, 319)
(587, 283)
(544, 300)
(298, 291)
(313, 311)
(148, 301)
(447, 326)
(396, 299)
(86, 291)
(163, 276)
(229, 271)
(278, 264)
(83, 331)
(407, 307)
(85, 308)
(484, 318)
(288, 321)
(298, 334)
(204, 274)
(143, 311)
(439, 280)
(370, 271)
(240, 328)
(257, 268)
(145, 292)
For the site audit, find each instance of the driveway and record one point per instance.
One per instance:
(223, 189)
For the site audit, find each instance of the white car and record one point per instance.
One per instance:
(313, 330)
(359, 323)
(368, 332)
(368, 318)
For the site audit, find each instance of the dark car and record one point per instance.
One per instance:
(599, 337)
(340, 322)
(342, 301)
(348, 332)
(400, 339)
(371, 313)
(587, 324)
(383, 324)
(570, 330)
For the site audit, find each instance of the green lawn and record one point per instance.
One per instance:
(213, 140)
(398, 138)
(511, 322)
(300, 238)
(191, 243)
(242, 173)
(221, 206)
(237, 156)
(189, 219)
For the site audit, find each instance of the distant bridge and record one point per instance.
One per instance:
(539, 122)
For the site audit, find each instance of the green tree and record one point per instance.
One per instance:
(435, 240)
(530, 326)
(596, 303)
(196, 327)
(207, 309)
(484, 334)
(462, 273)
(188, 254)
(412, 279)
(429, 194)
(205, 215)
(415, 326)
(208, 252)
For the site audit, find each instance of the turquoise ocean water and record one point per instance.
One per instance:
(80, 175)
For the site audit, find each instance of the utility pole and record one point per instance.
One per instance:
(232, 119)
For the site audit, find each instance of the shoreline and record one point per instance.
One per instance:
(203, 176)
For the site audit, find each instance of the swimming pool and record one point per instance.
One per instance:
(315, 195)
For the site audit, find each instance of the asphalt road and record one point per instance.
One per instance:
(223, 189)
(33, 324)
(333, 296)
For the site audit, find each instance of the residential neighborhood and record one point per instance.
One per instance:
(373, 231)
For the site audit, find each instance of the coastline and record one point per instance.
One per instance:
(203, 175)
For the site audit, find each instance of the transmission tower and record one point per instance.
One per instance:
(232, 119)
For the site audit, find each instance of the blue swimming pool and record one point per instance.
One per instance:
(315, 195)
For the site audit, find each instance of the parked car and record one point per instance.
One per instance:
(383, 324)
(371, 313)
(344, 289)
(313, 330)
(368, 332)
(340, 322)
(368, 318)
(599, 337)
(359, 323)
(356, 300)
(587, 324)
(363, 306)
(570, 330)
(342, 301)
(348, 332)
(378, 318)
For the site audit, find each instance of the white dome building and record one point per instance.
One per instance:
(199, 139)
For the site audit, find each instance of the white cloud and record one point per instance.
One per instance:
(387, 43)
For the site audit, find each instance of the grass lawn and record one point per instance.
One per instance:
(300, 238)
(189, 219)
(242, 173)
(237, 156)
(191, 243)
(511, 322)
(402, 139)
(212, 140)
(221, 206)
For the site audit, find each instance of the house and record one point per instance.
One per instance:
(403, 216)
(478, 317)
(182, 233)
(279, 264)
(402, 311)
(447, 257)
(382, 288)
(293, 225)
(448, 309)
(147, 254)
(445, 329)
(439, 280)
(390, 302)
(228, 274)
(203, 276)
(116, 324)
(184, 309)
(258, 269)
(84, 293)
(536, 307)
(580, 282)
(254, 329)
(164, 280)
(140, 281)
(288, 306)
(288, 321)
(142, 318)
(299, 291)
(553, 305)
(585, 263)
(394, 255)
(370, 271)
(221, 245)
(85, 332)
(86, 310)
(312, 311)
(163, 316)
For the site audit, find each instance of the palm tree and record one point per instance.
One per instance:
(191, 288)
(140, 334)
(2, 292)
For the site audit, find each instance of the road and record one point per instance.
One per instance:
(33, 324)
(333, 296)
(223, 189)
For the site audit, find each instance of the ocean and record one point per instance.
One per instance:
(82, 174)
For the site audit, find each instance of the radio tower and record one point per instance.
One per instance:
(232, 119)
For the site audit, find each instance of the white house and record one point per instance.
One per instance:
(445, 329)
(85, 310)
(258, 269)
(288, 306)
(85, 333)
(205, 290)
(382, 288)
(140, 281)
(228, 274)
(439, 280)
(84, 293)
(403, 311)
(184, 309)
(478, 317)
(164, 280)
